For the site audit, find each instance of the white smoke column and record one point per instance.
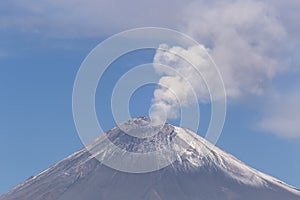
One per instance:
(182, 83)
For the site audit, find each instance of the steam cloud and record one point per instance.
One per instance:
(281, 115)
(184, 82)
(244, 38)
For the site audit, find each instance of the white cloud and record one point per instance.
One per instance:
(282, 115)
(88, 18)
(94, 17)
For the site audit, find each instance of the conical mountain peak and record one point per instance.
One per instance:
(197, 170)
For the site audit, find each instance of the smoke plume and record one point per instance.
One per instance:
(244, 38)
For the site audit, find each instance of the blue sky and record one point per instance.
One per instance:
(44, 43)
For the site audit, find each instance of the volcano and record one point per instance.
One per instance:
(199, 171)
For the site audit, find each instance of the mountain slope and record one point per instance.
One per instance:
(194, 175)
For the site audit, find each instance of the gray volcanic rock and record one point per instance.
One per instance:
(200, 172)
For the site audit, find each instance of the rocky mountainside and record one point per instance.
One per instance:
(199, 171)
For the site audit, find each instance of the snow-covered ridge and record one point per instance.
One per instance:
(197, 151)
(198, 163)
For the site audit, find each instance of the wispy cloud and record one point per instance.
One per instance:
(282, 115)
(88, 18)
(93, 17)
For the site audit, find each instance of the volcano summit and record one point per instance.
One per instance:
(192, 169)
